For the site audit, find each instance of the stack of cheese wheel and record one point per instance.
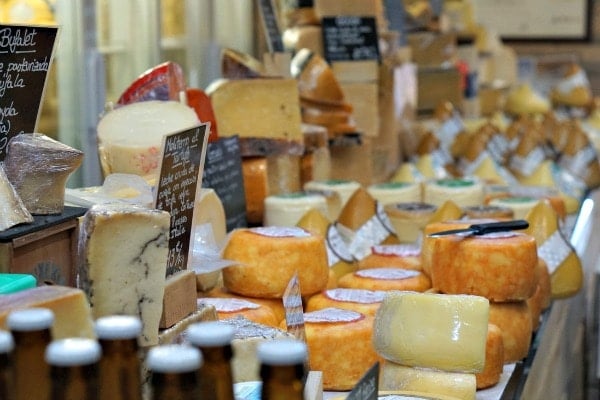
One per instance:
(501, 267)
(431, 343)
(265, 259)
(340, 345)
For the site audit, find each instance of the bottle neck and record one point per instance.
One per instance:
(24, 339)
(30, 365)
(215, 377)
(78, 382)
(282, 382)
(168, 386)
(120, 370)
(6, 377)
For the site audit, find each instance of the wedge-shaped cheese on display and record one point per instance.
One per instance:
(244, 364)
(434, 382)
(176, 333)
(238, 65)
(130, 136)
(445, 332)
(261, 108)
(345, 188)
(12, 210)
(38, 167)
(72, 315)
(123, 263)
(564, 265)
(316, 81)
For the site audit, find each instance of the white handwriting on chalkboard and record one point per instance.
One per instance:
(9, 40)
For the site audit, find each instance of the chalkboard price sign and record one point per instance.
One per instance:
(271, 26)
(350, 38)
(223, 173)
(25, 58)
(181, 165)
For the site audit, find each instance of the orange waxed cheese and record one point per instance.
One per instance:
(386, 279)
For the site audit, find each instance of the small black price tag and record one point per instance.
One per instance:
(350, 38)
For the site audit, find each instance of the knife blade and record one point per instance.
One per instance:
(488, 227)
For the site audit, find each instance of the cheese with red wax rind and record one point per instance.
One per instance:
(162, 82)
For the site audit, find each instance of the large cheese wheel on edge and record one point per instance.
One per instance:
(268, 257)
(498, 266)
(429, 330)
(386, 279)
(514, 320)
(339, 344)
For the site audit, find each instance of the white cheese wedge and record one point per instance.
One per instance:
(123, 262)
(429, 330)
(12, 209)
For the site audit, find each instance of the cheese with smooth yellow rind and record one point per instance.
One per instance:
(429, 330)
(464, 192)
(395, 192)
(286, 209)
(72, 315)
(564, 265)
(459, 385)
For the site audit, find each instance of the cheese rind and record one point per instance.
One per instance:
(446, 332)
(12, 209)
(123, 260)
(72, 315)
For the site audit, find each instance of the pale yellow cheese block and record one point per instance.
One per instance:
(364, 98)
(445, 332)
(259, 108)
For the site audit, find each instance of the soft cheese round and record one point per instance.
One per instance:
(266, 258)
(498, 266)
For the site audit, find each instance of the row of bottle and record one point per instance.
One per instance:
(33, 366)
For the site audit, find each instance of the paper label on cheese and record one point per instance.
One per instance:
(498, 235)
(337, 249)
(387, 273)
(373, 232)
(361, 296)
(579, 163)
(397, 250)
(229, 305)
(526, 165)
(281, 231)
(332, 315)
(554, 251)
(470, 167)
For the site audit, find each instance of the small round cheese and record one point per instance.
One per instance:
(287, 209)
(345, 188)
(340, 345)
(360, 300)
(521, 205)
(386, 279)
(406, 256)
(494, 359)
(464, 192)
(514, 320)
(276, 305)
(231, 307)
(498, 266)
(266, 258)
(395, 192)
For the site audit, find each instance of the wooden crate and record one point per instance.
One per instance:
(47, 248)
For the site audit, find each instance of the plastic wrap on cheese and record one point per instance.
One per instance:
(38, 167)
(445, 332)
(12, 210)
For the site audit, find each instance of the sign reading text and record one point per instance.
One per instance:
(350, 38)
(271, 26)
(25, 58)
(181, 165)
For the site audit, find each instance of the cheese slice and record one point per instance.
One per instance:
(12, 210)
(445, 332)
(399, 377)
(124, 261)
(72, 315)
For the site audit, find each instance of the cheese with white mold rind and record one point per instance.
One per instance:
(445, 332)
(399, 377)
(38, 167)
(12, 210)
(123, 261)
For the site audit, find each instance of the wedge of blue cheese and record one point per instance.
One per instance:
(123, 260)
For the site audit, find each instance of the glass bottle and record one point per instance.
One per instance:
(282, 369)
(74, 368)
(7, 346)
(213, 339)
(30, 329)
(120, 370)
(174, 372)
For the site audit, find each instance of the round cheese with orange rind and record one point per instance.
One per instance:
(386, 279)
(494, 359)
(360, 300)
(514, 320)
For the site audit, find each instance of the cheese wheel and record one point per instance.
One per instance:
(498, 266)
(276, 305)
(360, 300)
(256, 187)
(433, 382)
(333, 200)
(494, 359)
(393, 255)
(463, 192)
(521, 205)
(395, 192)
(232, 307)
(344, 188)
(430, 330)
(386, 279)
(542, 296)
(340, 345)
(489, 211)
(409, 219)
(514, 320)
(287, 209)
(268, 257)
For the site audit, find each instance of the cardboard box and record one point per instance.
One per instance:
(46, 248)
